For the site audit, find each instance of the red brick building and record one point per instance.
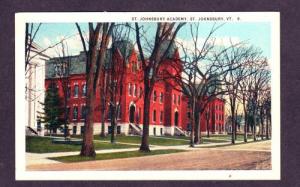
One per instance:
(169, 110)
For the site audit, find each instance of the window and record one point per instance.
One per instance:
(74, 130)
(60, 70)
(133, 67)
(174, 99)
(161, 116)
(154, 131)
(76, 90)
(83, 112)
(129, 89)
(154, 96)
(154, 115)
(118, 129)
(141, 92)
(82, 129)
(75, 112)
(134, 90)
(178, 100)
(119, 111)
(84, 90)
(161, 98)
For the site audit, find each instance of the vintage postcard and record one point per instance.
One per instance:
(147, 96)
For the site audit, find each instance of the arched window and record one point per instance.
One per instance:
(161, 116)
(84, 90)
(154, 96)
(134, 90)
(161, 98)
(76, 89)
(141, 92)
(119, 111)
(154, 115)
(75, 112)
(174, 99)
(129, 89)
(83, 112)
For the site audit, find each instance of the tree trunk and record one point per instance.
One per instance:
(102, 134)
(197, 128)
(145, 137)
(103, 107)
(235, 130)
(270, 127)
(262, 127)
(103, 104)
(235, 122)
(232, 125)
(113, 124)
(87, 148)
(207, 126)
(192, 143)
(267, 127)
(245, 119)
(245, 128)
(65, 116)
(254, 130)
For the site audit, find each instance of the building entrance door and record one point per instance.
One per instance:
(131, 113)
(176, 119)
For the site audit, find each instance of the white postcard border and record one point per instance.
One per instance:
(22, 174)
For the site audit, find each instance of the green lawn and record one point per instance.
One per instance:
(108, 156)
(153, 140)
(169, 140)
(36, 144)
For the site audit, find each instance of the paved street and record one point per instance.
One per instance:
(245, 156)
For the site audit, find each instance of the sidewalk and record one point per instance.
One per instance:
(43, 158)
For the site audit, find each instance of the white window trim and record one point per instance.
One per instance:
(74, 105)
(129, 89)
(83, 96)
(154, 97)
(161, 99)
(153, 116)
(161, 117)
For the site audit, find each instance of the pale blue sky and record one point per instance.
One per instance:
(255, 33)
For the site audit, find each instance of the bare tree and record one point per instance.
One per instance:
(260, 84)
(104, 97)
(253, 91)
(202, 76)
(242, 57)
(63, 68)
(115, 73)
(165, 33)
(95, 53)
(267, 107)
(30, 33)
